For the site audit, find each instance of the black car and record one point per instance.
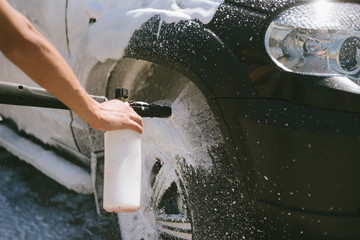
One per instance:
(265, 127)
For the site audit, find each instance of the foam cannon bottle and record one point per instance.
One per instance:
(122, 169)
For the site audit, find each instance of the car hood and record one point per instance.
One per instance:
(268, 6)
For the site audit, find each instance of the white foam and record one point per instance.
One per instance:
(188, 136)
(191, 132)
(117, 20)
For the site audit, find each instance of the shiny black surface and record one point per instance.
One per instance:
(296, 138)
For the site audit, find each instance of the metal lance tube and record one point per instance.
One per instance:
(17, 94)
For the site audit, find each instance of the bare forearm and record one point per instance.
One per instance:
(38, 58)
(43, 64)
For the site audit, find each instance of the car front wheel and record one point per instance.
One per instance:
(188, 186)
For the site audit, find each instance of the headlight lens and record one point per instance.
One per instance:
(321, 39)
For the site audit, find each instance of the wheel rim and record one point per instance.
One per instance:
(164, 213)
(171, 212)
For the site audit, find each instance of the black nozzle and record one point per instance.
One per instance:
(151, 110)
(121, 93)
(142, 108)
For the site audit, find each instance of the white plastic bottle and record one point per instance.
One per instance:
(122, 171)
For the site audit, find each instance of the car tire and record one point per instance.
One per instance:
(189, 190)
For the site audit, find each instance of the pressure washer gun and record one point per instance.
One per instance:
(16, 94)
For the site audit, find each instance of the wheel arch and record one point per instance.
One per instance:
(188, 47)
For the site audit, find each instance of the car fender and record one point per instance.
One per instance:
(193, 50)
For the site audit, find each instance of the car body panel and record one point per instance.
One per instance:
(77, 23)
(276, 222)
(180, 44)
(300, 157)
(55, 124)
(49, 19)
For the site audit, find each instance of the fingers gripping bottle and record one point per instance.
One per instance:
(122, 169)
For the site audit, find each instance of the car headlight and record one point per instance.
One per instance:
(320, 39)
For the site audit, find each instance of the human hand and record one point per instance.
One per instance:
(114, 115)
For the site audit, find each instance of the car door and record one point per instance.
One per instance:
(52, 127)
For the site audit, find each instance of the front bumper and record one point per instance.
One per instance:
(276, 222)
(298, 161)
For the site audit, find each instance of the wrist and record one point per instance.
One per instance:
(90, 113)
(94, 115)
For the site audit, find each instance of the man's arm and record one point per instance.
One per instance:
(39, 59)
